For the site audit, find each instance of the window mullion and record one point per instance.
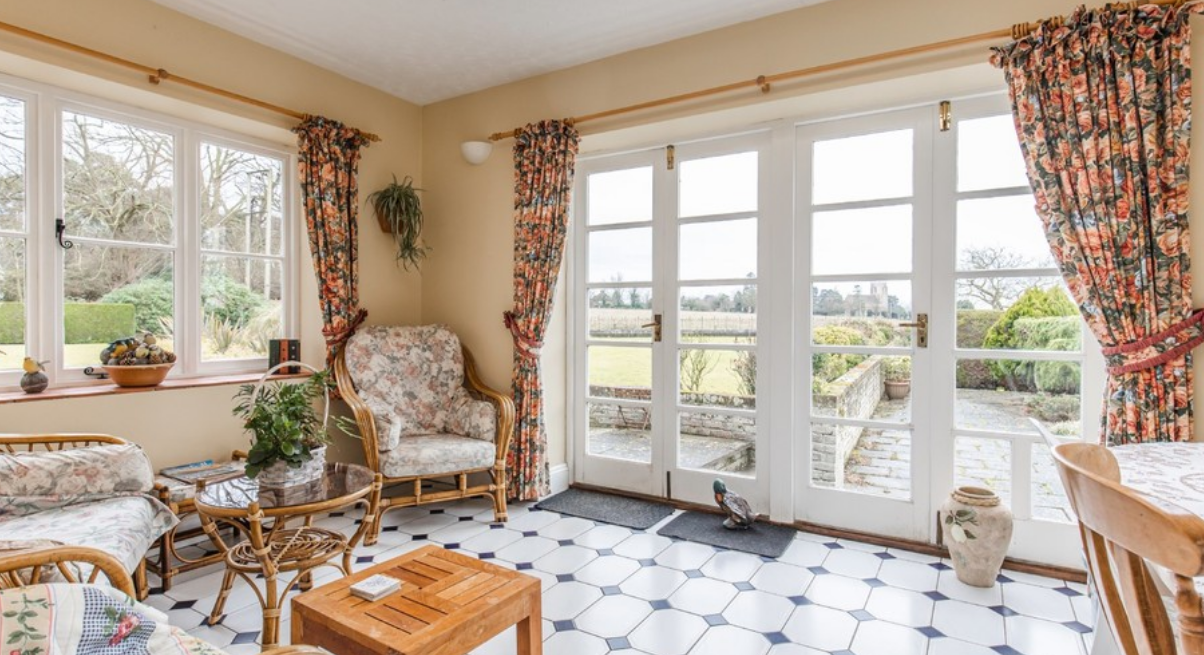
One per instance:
(47, 287)
(188, 258)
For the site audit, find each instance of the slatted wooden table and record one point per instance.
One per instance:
(448, 605)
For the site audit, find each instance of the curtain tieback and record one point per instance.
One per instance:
(1157, 349)
(528, 348)
(335, 338)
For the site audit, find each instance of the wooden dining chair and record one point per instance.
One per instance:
(1125, 533)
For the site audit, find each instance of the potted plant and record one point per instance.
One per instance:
(288, 445)
(897, 373)
(399, 211)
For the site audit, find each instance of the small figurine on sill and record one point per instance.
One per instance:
(34, 380)
(739, 514)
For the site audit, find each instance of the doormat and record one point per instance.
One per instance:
(627, 512)
(760, 539)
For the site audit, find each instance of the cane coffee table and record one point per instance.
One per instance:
(448, 605)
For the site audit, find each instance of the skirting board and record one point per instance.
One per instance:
(559, 475)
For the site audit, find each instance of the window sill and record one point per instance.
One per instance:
(110, 389)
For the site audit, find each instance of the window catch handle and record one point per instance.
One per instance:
(60, 227)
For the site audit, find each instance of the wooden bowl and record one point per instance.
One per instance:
(138, 376)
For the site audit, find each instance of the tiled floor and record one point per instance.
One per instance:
(608, 588)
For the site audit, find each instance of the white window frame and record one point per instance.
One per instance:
(44, 330)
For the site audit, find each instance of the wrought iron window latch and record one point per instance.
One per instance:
(60, 227)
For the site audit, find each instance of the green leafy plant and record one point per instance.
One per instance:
(399, 208)
(283, 421)
(897, 369)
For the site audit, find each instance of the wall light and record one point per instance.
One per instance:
(476, 152)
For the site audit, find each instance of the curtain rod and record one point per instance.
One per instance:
(158, 75)
(764, 82)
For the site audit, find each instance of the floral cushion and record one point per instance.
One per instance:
(40, 480)
(122, 526)
(433, 454)
(388, 426)
(88, 619)
(413, 370)
(471, 417)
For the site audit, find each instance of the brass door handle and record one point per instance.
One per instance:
(921, 326)
(656, 327)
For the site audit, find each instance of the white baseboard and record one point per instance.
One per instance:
(559, 478)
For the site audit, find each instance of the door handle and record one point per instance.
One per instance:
(656, 327)
(921, 326)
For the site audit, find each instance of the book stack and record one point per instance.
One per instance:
(375, 587)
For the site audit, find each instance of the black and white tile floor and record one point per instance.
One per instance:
(612, 589)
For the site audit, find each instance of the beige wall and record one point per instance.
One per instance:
(184, 425)
(467, 283)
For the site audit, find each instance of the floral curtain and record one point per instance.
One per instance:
(1102, 106)
(328, 155)
(544, 157)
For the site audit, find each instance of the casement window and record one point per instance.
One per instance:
(116, 221)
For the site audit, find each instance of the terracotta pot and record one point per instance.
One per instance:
(138, 376)
(897, 389)
(280, 474)
(977, 531)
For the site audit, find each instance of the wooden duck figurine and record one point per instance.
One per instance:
(739, 514)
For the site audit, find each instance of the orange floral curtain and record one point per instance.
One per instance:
(328, 155)
(1102, 106)
(544, 157)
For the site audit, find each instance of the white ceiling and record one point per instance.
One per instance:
(430, 50)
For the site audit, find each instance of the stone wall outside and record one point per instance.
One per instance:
(853, 395)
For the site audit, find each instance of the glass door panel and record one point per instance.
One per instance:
(864, 277)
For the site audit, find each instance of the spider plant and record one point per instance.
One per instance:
(399, 210)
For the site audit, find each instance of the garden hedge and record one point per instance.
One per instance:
(83, 322)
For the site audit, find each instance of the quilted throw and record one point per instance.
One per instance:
(62, 619)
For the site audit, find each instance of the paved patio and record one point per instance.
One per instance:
(880, 463)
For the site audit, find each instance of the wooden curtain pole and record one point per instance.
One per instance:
(157, 75)
(765, 82)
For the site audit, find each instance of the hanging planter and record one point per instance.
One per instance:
(399, 211)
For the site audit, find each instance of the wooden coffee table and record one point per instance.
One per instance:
(448, 605)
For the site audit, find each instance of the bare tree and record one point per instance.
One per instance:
(996, 292)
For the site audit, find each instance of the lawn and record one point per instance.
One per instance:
(612, 366)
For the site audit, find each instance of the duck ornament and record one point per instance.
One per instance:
(739, 514)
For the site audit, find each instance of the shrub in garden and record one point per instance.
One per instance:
(1054, 408)
(745, 368)
(222, 298)
(152, 298)
(1006, 334)
(826, 367)
(230, 301)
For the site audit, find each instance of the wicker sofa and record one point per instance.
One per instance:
(88, 490)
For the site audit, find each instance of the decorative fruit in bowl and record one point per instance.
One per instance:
(137, 362)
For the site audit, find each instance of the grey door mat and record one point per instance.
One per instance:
(627, 512)
(760, 539)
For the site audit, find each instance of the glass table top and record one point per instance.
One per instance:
(339, 481)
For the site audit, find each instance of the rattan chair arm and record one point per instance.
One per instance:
(14, 561)
(504, 403)
(55, 441)
(359, 409)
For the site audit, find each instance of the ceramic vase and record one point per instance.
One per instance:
(279, 474)
(977, 530)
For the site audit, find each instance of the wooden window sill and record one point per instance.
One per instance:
(105, 388)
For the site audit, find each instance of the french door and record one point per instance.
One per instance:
(669, 268)
(934, 326)
(864, 204)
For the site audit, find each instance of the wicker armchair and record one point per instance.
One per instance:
(89, 566)
(423, 414)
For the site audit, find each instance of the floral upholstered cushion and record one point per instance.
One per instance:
(433, 454)
(388, 428)
(122, 526)
(85, 619)
(40, 480)
(471, 417)
(414, 371)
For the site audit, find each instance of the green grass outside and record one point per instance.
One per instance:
(613, 366)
